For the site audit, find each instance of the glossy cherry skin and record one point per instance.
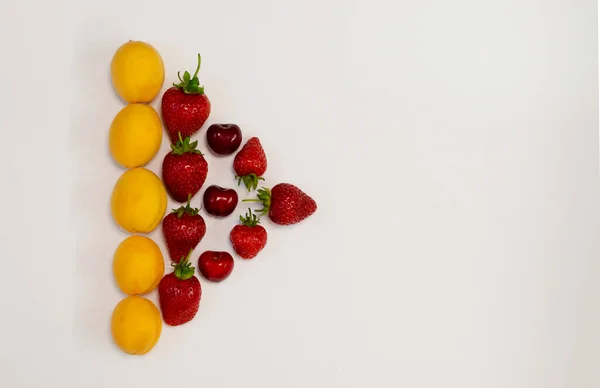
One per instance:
(215, 266)
(220, 202)
(224, 139)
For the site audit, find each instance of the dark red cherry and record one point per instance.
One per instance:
(215, 265)
(224, 139)
(220, 202)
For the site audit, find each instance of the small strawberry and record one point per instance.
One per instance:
(249, 238)
(179, 293)
(184, 106)
(285, 203)
(184, 170)
(183, 229)
(250, 164)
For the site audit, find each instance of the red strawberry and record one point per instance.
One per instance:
(286, 204)
(179, 294)
(250, 163)
(184, 106)
(183, 229)
(249, 238)
(184, 170)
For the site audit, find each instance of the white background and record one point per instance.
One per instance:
(452, 147)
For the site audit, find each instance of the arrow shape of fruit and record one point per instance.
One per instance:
(285, 203)
(250, 164)
(249, 238)
(185, 107)
(184, 170)
(183, 229)
(179, 293)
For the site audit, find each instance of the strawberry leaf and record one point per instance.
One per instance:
(187, 209)
(264, 197)
(250, 219)
(184, 146)
(250, 181)
(183, 270)
(189, 84)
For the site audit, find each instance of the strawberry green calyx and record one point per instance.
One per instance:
(250, 219)
(190, 85)
(183, 269)
(187, 209)
(250, 181)
(184, 146)
(264, 197)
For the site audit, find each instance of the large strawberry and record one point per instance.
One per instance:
(184, 106)
(285, 203)
(250, 164)
(179, 293)
(184, 170)
(183, 229)
(249, 238)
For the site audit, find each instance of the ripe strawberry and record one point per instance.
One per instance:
(184, 170)
(285, 203)
(250, 163)
(184, 106)
(179, 293)
(249, 238)
(183, 229)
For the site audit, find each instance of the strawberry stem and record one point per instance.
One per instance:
(250, 219)
(190, 85)
(250, 181)
(198, 67)
(184, 270)
(264, 197)
(184, 146)
(187, 209)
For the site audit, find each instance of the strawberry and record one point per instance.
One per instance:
(183, 229)
(250, 163)
(184, 106)
(184, 170)
(249, 238)
(179, 293)
(285, 203)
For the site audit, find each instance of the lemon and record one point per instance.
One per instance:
(137, 72)
(139, 201)
(138, 265)
(135, 135)
(136, 325)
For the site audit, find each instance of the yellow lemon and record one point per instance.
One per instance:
(135, 135)
(139, 201)
(138, 265)
(137, 71)
(136, 325)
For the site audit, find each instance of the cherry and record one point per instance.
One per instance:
(224, 139)
(215, 266)
(220, 202)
